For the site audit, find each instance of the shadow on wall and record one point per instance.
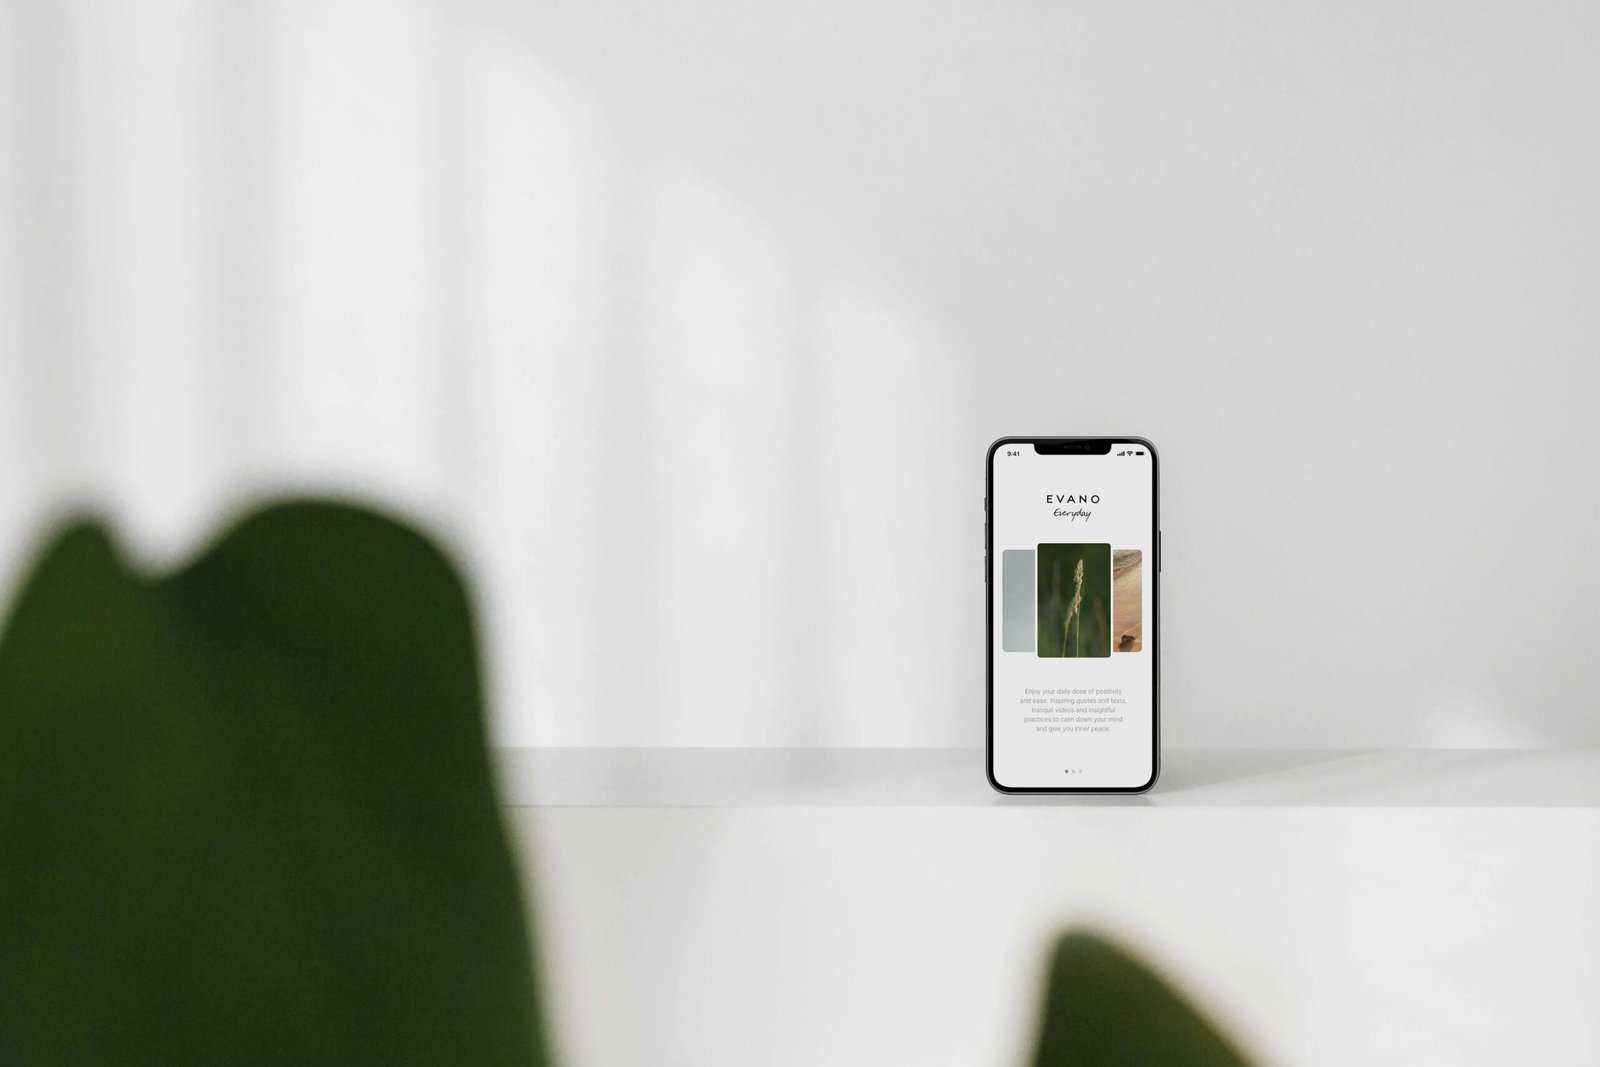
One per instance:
(386, 250)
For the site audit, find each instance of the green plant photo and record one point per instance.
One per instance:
(1074, 600)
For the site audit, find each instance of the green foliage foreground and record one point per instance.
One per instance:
(246, 812)
(247, 817)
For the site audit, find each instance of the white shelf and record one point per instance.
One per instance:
(940, 777)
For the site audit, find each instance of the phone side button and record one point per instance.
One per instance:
(1161, 551)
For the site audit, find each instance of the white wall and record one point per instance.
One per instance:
(623, 296)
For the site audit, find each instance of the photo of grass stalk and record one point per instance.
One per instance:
(1074, 601)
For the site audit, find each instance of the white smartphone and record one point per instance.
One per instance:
(1073, 562)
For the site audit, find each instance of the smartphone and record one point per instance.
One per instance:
(1072, 562)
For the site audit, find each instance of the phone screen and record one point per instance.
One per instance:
(1072, 614)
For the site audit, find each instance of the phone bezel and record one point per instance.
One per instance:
(1155, 612)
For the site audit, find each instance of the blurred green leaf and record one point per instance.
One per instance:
(246, 810)
(1103, 1008)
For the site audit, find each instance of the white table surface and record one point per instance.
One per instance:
(931, 777)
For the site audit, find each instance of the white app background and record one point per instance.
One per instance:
(1115, 754)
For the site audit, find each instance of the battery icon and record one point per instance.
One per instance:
(1138, 453)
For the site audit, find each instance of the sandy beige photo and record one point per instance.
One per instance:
(1127, 600)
